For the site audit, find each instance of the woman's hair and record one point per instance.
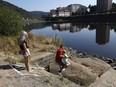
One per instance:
(26, 44)
(61, 46)
(22, 47)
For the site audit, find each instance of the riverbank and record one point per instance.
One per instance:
(110, 61)
(83, 71)
(90, 18)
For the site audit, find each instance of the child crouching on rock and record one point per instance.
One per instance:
(65, 58)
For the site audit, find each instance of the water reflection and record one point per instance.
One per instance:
(30, 26)
(71, 27)
(102, 34)
(102, 31)
(61, 27)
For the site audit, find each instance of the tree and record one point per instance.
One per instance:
(113, 7)
(92, 8)
(10, 21)
(81, 11)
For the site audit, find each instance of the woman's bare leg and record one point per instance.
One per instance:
(26, 63)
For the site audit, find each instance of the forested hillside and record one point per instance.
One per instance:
(25, 14)
(40, 13)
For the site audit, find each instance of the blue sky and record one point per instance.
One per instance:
(47, 5)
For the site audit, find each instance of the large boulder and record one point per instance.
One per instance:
(98, 66)
(84, 71)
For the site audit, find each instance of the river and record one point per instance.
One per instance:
(94, 39)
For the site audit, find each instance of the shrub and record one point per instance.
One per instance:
(57, 41)
(10, 22)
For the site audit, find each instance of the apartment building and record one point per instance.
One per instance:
(103, 5)
(60, 12)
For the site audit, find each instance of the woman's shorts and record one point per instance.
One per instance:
(25, 53)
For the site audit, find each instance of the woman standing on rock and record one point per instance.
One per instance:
(24, 49)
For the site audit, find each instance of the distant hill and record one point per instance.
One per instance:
(23, 13)
(40, 13)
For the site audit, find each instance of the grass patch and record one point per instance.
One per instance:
(43, 43)
(61, 78)
(47, 81)
(57, 41)
(11, 60)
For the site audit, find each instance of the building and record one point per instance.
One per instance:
(53, 13)
(103, 5)
(60, 12)
(67, 11)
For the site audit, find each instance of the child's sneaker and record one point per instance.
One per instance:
(63, 69)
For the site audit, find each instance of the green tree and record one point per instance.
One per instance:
(92, 8)
(81, 11)
(113, 7)
(10, 21)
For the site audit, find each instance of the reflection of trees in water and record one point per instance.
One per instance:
(93, 26)
(35, 26)
(80, 25)
(113, 26)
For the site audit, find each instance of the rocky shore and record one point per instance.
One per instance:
(111, 61)
(84, 71)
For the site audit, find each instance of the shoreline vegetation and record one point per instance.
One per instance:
(34, 21)
(9, 44)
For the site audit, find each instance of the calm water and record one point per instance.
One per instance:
(99, 39)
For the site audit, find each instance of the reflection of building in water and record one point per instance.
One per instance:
(65, 26)
(61, 27)
(74, 28)
(54, 26)
(102, 34)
